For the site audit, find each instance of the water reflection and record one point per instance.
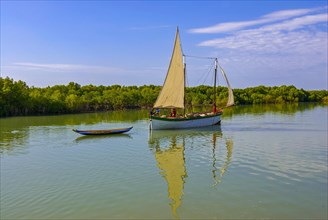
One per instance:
(169, 149)
(260, 109)
(15, 131)
(222, 170)
(171, 162)
(98, 137)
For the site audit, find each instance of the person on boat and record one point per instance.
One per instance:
(174, 113)
(214, 108)
(151, 112)
(157, 111)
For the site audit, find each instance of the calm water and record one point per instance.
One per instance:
(263, 162)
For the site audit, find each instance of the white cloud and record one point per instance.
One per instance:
(150, 27)
(288, 47)
(269, 18)
(288, 38)
(297, 23)
(272, 42)
(294, 36)
(227, 27)
(282, 51)
(55, 67)
(44, 74)
(285, 14)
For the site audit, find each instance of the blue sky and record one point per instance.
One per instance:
(130, 43)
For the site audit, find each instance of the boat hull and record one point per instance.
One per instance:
(157, 123)
(103, 132)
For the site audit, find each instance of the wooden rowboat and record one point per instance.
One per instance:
(103, 132)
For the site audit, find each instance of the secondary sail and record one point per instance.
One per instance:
(172, 93)
(231, 100)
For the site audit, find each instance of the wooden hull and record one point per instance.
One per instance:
(157, 123)
(103, 132)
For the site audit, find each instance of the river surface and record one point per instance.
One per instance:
(264, 161)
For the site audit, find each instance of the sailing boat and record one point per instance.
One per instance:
(172, 96)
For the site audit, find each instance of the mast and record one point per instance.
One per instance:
(184, 88)
(214, 87)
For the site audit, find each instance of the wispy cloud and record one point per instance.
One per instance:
(269, 18)
(279, 45)
(44, 74)
(276, 37)
(297, 35)
(56, 67)
(150, 27)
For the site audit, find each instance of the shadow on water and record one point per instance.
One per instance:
(169, 148)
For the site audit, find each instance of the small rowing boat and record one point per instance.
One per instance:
(103, 132)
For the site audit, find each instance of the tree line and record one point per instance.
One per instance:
(17, 98)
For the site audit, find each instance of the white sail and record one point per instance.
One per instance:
(172, 93)
(231, 100)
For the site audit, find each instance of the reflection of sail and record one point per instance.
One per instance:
(229, 146)
(169, 150)
(171, 162)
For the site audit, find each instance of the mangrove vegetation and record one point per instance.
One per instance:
(17, 98)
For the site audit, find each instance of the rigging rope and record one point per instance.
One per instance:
(205, 75)
(208, 73)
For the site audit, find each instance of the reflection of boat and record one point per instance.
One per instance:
(103, 132)
(224, 167)
(169, 150)
(98, 137)
(172, 96)
(160, 135)
(171, 161)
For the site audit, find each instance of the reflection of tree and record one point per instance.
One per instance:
(288, 109)
(12, 140)
(15, 131)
